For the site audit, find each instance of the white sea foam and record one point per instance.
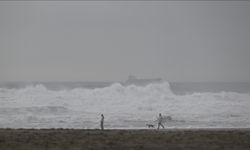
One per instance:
(123, 106)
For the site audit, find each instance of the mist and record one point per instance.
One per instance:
(107, 41)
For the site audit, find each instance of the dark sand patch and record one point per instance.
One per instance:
(74, 139)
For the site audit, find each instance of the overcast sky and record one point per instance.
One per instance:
(95, 41)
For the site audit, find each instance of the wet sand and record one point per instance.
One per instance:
(171, 139)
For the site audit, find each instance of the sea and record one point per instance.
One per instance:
(132, 105)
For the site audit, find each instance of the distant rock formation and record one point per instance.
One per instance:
(134, 80)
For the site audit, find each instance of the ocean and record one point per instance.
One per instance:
(125, 106)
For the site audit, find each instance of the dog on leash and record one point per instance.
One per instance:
(150, 125)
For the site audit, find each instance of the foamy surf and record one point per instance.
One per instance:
(124, 107)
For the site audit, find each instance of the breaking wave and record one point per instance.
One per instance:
(121, 104)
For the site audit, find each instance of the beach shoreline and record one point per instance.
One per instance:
(117, 139)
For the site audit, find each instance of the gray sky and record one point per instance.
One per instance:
(94, 41)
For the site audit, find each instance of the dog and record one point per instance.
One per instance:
(150, 125)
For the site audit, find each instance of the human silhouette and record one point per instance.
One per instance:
(102, 121)
(160, 120)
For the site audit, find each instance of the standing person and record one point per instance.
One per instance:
(160, 120)
(102, 121)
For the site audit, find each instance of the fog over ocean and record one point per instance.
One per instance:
(53, 41)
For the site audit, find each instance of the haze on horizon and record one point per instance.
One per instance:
(107, 41)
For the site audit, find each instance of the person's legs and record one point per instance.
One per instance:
(162, 126)
(158, 126)
(102, 126)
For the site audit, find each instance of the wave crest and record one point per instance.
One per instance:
(118, 102)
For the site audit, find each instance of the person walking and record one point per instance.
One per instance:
(160, 120)
(102, 122)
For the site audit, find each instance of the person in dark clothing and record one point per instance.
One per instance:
(102, 121)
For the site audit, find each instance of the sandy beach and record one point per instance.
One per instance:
(76, 139)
